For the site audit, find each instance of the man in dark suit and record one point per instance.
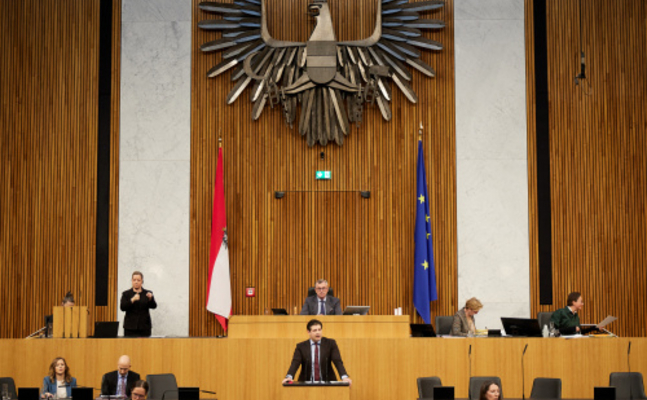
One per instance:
(136, 302)
(316, 356)
(321, 304)
(121, 381)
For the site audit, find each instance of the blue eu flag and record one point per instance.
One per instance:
(424, 274)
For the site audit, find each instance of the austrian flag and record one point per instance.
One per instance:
(219, 286)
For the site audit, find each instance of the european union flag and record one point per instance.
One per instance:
(424, 273)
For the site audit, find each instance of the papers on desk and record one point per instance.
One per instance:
(576, 336)
(609, 319)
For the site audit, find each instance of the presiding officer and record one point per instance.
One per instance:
(316, 357)
(464, 322)
(321, 304)
(119, 382)
(566, 319)
(136, 302)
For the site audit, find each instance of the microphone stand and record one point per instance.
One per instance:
(523, 380)
(629, 368)
(469, 355)
(36, 333)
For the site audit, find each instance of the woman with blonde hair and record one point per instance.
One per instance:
(464, 322)
(59, 383)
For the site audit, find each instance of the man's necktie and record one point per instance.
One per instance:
(322, 307)
(317, 372)
(121, 391)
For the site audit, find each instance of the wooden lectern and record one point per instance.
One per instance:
(316, 391)
(70, 322)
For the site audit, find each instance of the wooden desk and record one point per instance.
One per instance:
(334, 326)
(381, 369)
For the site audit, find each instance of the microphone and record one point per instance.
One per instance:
(469, 354)
(523, 381)
(207, 391)
(629, 369)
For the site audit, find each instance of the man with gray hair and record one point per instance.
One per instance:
(321, 303)
(121, 381)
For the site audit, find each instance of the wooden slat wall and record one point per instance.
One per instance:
(49, 54)
(322, 229)
(598, 148)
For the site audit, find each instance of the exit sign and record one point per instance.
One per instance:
(322, 175)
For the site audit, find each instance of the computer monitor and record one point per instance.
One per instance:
(279, 311)
(82, 393)
(28, 393)
(604, 393)
(422, 330)
(356, 310)
(521, 327)
(106, 330)
(188, 393)
(444, 393)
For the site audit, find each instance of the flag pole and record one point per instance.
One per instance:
(420, 132)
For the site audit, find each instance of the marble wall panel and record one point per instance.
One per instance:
(492, 183)
(155, 156)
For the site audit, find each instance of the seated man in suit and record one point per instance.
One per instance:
(121, 381)
(321, 304)
(316, 357)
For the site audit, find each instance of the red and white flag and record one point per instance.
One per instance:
(219, 289)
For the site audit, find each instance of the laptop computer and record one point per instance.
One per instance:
(106, 330)
(521, 327)
(604, 393)
(188, 393)
(444, 393)
(422, 330)
(82, 393)
(279, 311)
(356, 310)
(28, 393)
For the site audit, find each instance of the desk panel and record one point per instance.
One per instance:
(335, 326)
(381, 369)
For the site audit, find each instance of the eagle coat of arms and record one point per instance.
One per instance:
(330, 80)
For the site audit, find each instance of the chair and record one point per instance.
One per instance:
(477, 381)
(444, 325)
(544, 319)
(312, 292)
(162, 386)
(11, 385)
(628, 385)
(546, 388)
(426, 386)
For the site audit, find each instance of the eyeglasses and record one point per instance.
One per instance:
(137, 395)
(319, 289)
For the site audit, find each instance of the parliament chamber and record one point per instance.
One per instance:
(533, 138)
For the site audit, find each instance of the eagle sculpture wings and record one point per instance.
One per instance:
(331, 80)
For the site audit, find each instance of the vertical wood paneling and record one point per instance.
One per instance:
(322, 229)
(48, 148)
(598, 159)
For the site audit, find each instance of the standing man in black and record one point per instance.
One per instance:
(121, 381)
(316, 357)
(136, 302)
(321, 304)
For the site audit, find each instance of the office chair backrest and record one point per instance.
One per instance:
(444, 325)
(312, 292)
(628, 385)
(546, 388)
(11, 386)
(477, 381)
(162, 386)
(544, 319)
(426, 386)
